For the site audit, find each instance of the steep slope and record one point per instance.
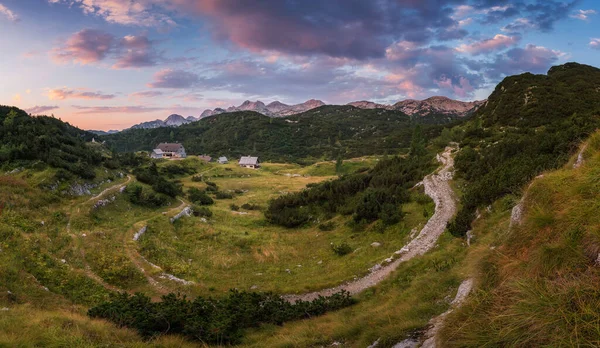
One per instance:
(24, 139)
(325, 132)
(529, 124)
(537, 272)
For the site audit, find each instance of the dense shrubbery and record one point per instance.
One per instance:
(249, 206)
(531, 123)
(223, 195)
(201, 211)
(368, 196)
(48, 139)
(199, 197)
(145, 197)
(209, 320)
(341, 249)
(150, 175)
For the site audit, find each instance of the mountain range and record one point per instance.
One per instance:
(436, 106)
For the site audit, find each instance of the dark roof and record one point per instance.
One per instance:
(248, 160)
(205, 158)
(169, 147)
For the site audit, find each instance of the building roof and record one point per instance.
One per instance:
(158, 151)
(222, 159)
(248, 161)
(170, 147)
(205, 158)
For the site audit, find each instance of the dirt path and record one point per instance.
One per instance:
(145, 266)
(580, 160)
(435, 324)
(87, 270)
(114, 187)
(436, 187)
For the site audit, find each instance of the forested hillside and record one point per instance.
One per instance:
(24, 138)
(530, 123)
(327, 132)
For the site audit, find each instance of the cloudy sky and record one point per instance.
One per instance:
(107, 64)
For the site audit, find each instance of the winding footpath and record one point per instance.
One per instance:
(87, 269)
(437, 187)
(143, 265)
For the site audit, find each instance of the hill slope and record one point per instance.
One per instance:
(530, 123)
(537, 269)
(24, 139)
(325, 132)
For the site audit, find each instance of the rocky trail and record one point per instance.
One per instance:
(146, 267)
(437, 187)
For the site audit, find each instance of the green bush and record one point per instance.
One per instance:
(223, 195)
(234, 207)
(199, 197)
(209, 320)
(201, 211)
(341, 249)
(327, 226)
(249, 206)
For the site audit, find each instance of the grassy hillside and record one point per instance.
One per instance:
(530, 123)
(537, 280)
(326, 133)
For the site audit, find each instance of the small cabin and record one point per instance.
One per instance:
(249, 162)
(205, 158)
(223, 160)
(169, 150)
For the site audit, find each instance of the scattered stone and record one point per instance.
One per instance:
(320, 262)
(84, 235)
(175, 279)
(336, 344)
(123, 188)
(254, 287)
(298, 266)
(45, 288)
(5, 309)
(259, 274)
(389, 260)
(140, 233)
(376, 244)
(288, 271)
(42, 223)
(377, 267)
(203, 220)
(469, 237)
(375, 344)
(187, 211)
(598, 260)
(63, 260)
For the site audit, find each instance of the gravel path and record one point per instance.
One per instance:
(436, 187)
(579, 162)
(118, 186)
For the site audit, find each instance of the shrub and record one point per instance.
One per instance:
(327, 226)
(341, 249)
(234, 207)
(197, 178)
(223, 195)
(199, 197)
(201, 211)
(139, 196)
(248, 206)
(210, 320)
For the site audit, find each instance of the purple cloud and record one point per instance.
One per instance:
(66, 93)
(38, 110)
(135, 109)
(84, 47)
(532, 58)
(169, 78)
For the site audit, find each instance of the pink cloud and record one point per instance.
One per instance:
(135, 109)
(37, 110)
(146, 94)
(84, 47)
(169, 78)
(595, 43)
(66, 93)
(10, 15)
(583, 15)
(496, 43)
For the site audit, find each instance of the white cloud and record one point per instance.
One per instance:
(10, 15)
(583, 15)
(595, 43)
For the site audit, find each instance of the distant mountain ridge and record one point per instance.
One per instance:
(274, 109)
(433, 105)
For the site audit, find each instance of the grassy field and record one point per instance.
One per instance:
(61, 255)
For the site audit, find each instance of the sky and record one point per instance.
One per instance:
(109, 64)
